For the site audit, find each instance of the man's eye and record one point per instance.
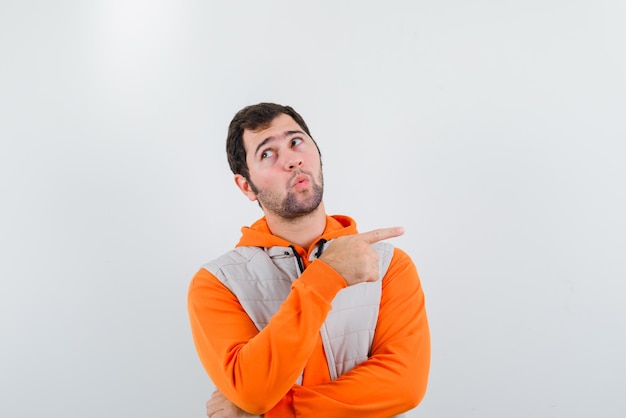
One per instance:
(296, 141)
(266, 154)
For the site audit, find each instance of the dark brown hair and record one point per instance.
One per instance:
(254, 117)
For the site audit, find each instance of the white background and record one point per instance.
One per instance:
(493, 131)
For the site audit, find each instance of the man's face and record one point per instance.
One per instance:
(285, 169)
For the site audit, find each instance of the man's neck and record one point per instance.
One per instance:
(302, 231)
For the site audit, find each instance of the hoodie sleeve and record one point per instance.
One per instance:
(394, 379)
(249, 367)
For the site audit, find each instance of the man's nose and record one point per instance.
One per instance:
(293, 160)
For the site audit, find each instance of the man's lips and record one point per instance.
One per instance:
(301, 180)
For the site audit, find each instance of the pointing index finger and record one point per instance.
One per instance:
(381, 234)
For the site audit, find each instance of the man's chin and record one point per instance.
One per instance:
(299, 211)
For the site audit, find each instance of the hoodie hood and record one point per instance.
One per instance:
(259, 235)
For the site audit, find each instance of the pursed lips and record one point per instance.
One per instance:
(299, 178)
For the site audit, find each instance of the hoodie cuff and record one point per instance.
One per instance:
(323, 279)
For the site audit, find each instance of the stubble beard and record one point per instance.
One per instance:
(292, 206)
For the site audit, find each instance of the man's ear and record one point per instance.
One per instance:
(244, 186)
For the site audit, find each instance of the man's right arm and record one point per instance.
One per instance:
(249, 367)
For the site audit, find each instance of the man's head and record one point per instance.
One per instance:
(275, 160)
(253, 118)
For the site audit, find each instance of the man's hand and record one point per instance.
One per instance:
(220, 407)
(353, 257)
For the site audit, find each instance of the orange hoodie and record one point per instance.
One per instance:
(256, 370)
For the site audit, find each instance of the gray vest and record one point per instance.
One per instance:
(261, 279)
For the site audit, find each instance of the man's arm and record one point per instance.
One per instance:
(256, 369)
(394, 379)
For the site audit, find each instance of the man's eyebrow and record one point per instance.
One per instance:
(271, 138)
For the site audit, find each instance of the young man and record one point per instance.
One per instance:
(306, 316)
